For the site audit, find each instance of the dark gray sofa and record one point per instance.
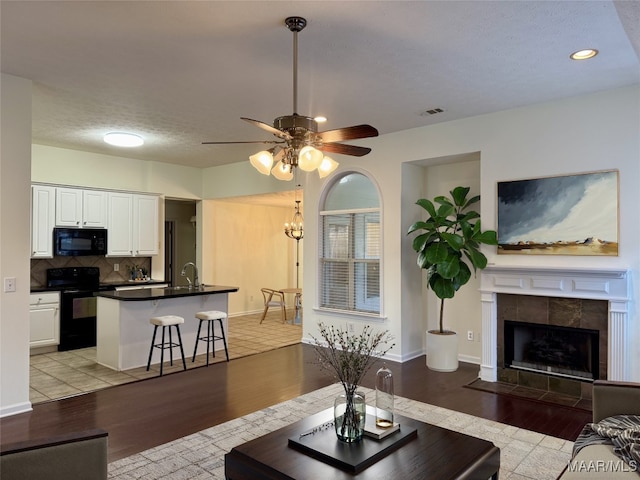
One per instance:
(81, 455)
(598, 461)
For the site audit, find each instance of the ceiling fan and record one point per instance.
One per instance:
(300, 144)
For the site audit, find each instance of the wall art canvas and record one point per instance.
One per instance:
(565, 215)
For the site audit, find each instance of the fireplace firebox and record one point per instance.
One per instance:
(552, 350)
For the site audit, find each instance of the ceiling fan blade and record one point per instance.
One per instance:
(269, 142)
(347, 133)
(344, 149)
(268, 128)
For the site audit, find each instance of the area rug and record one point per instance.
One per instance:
(523, 454)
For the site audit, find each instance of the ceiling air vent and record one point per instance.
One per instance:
(431, 111)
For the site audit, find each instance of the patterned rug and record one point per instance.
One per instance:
(523, 454)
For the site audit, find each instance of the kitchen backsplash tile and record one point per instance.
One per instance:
(39, 267)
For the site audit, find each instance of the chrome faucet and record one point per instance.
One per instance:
(183, 273)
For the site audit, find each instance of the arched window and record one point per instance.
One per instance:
(350, 245)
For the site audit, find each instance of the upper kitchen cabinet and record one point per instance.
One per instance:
(43, 217)
(81, 208)
(120, 224)
(145, 225)
(132, 224)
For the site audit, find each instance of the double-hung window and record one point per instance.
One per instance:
(350, 246)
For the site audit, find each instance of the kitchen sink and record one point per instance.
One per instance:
(186, 287)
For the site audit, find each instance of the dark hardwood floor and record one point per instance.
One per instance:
(147, 413)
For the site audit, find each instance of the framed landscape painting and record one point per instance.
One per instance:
(564, 215)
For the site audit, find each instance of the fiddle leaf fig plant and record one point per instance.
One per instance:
(449, 242)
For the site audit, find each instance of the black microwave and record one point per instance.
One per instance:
(79, 241)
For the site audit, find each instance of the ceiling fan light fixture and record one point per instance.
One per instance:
(327, 166)
(298, 136)
(309, 158)
(282, 171)
(123, 139)
(262, 161)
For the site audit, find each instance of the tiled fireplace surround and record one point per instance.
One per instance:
(596, 299)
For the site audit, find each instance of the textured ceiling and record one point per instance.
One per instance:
(182, 72)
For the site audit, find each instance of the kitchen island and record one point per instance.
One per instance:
(124, 332)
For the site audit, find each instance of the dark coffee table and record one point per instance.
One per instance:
(435, 453)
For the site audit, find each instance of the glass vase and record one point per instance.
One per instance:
(349, 412)
(384, 398)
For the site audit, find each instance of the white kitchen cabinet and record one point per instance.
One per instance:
(120, 224)
(44, 319)
(81, 208)
(132, 225)
(145, 225)
(94, 209)
(43, 217)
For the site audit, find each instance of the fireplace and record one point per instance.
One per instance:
(525, 292)
(552, 350)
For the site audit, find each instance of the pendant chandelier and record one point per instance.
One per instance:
(295, 231)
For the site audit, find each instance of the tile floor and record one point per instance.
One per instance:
(61, 374)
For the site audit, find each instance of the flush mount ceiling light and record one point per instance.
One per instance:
(299, 143)
(123, 139)
(583, 54)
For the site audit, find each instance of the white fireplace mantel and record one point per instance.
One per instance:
(590, 283)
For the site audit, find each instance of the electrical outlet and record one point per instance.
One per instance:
(351, 327)
(116, 267)
(470, 335)
(9, 284)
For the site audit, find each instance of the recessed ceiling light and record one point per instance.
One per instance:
(584, 54)
(122, 139)
(320, 119)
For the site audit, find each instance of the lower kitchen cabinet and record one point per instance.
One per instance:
(44, 319)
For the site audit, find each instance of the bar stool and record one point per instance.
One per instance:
(166, 321)
(210, 317)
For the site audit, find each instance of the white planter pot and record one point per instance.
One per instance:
(442, 351)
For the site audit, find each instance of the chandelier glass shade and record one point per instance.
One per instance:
(287, 159)
(262, 161)
(282, 171)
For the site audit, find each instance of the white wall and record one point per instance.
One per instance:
(15, 242)
(245, 245)
(238, 179)
(86, 169)
(579, 134)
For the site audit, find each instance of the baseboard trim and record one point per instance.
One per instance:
(16, 409)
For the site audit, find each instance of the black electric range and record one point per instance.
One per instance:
(78, 306)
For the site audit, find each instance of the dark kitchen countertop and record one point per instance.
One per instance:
(132, 284)
(160, 293)
(107, 285)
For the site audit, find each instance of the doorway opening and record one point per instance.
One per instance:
(180, 238)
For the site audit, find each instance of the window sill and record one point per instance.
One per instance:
(349, 314)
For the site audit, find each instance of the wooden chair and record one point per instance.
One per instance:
(273, 298)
